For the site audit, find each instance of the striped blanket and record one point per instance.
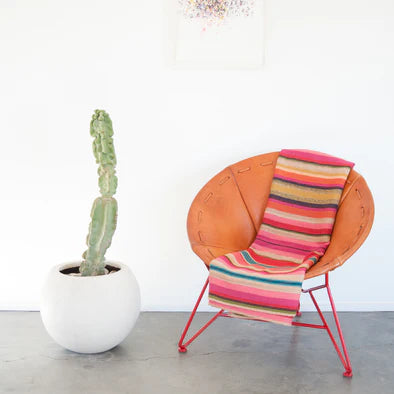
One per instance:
(264, 282)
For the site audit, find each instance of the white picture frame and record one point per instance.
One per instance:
(232, 40)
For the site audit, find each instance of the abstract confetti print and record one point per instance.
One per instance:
(216, 11)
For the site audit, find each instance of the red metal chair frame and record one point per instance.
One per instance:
(210, 236)
(343, 355)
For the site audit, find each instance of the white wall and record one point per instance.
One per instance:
(327, 84)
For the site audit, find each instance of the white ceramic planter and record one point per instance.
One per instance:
(90, 314)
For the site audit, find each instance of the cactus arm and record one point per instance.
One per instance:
(105, 208)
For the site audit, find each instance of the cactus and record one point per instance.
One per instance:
(105, 208)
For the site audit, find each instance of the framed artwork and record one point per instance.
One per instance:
(218, 33)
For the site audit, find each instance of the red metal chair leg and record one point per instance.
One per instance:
(182, 347)
(347, 364)
(345, 356)
(298, 314)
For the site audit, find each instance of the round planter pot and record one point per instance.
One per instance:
(90, 314)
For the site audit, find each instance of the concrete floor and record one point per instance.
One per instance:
(234, 356)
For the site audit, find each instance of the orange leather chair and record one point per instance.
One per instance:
(226, 215)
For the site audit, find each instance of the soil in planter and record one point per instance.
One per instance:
(74, 271)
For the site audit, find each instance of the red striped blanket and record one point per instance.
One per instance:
(264, 282)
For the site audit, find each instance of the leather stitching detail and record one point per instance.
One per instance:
(242, 198)
(344, 195)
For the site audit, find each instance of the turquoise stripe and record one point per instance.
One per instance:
(265, 280)
(250, 260)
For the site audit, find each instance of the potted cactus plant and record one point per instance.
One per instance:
(91, 306)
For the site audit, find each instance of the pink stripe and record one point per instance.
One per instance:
(269, 238)
(283, 178)
(279, 252)
(289, 247)
(309, 244)
(242, 288)
(255, 314)
(280, 219)
(252, 298)
(316, 157)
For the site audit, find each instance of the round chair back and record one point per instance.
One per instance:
(226, 214)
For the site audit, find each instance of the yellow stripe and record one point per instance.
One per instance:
(290, 234)
(292, 216)
(305, 192)
(310, 173)
(311, 168)
(292, 196)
